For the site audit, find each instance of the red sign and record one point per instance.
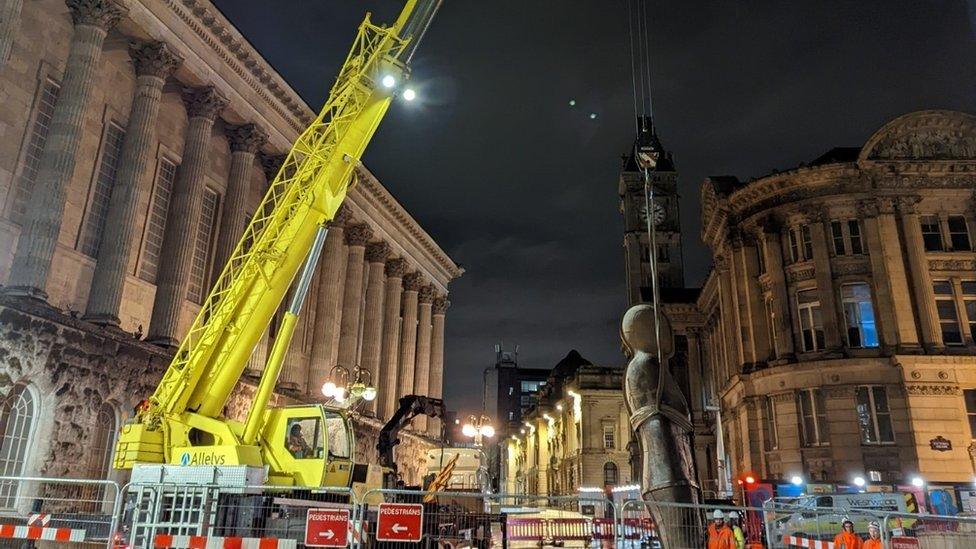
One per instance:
(900, 542)
(400, 522)
(327, 528)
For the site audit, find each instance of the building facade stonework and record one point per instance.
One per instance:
(137, 138)
(837, 329)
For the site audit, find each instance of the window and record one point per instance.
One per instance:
(663, 253)
(813, 418)
(970, 396)
(969, 303)
(47, 98)
(769, 425)
(811, 319)
(931, 233)
(807, 242)
(761, 256)
(837, 233)
(794, 246)
(511, 416)
(771, 328)
(801, 243)
(609, 437)
(200, 262)
(91, 232)
(945, 304)
(156, 221)
(873, 415)
(846, 236)
(854, 234)
(531, 386)
(859, 315)
(304, 438)
(958, 233)
(610, 474)
(338, 430)
(17, 420)
(103, 441)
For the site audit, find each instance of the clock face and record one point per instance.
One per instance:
(657, 213)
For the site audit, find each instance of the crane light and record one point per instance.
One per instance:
(409, 94)
(388, 81)
(329, 389)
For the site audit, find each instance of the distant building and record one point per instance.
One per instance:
(576, 436)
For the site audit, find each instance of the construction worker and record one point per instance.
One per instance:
(737, 535)
(847, 539)
(874, 540)
(719, 534)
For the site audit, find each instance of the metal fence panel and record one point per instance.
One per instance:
(57, 512)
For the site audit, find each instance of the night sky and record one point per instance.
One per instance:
(521, 189)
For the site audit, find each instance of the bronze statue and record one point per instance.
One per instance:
(659, 415)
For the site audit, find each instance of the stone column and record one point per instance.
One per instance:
(202, 106)
(742, 283)
(408, 333)
(782, 325)
(153, 61)
(356, 238)
(376, 254)
(734, 358)
(386, 382)
(245, 141)
(881, 282)
(328, 308)
(42, 220)
(832, 321)
(890, 277)
(421, 379)
(918, 266)
(437, 360)
(9, 23)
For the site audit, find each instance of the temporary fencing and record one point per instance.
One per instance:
(57, 512)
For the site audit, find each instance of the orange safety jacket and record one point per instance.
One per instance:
(873, 544)
(848, 540)
(721, 538)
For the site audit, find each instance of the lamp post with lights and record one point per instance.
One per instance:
(342, 385)
(478, 428)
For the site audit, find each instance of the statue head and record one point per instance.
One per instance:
(637, 332)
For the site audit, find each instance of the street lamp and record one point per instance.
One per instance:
(478, 428)
(918, 482)
(338, 386)
(796, 480)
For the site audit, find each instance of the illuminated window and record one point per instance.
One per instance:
(609, 437)
(101, 193)
(202, 246)
(874, 416)
(17, 421)
(152, 244)
(811, 320)
(945, 305)
(813, 418)
(44, 110)
(862, 330)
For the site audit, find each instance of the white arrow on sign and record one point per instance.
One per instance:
(397, 528)
(329, 534)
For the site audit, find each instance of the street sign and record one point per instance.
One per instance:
(400, 522)
(327, 528)
(901, 542)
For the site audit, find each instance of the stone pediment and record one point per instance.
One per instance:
(924, 135)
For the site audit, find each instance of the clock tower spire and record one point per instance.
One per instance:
(648, 153)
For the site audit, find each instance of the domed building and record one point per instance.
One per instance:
(837, 330)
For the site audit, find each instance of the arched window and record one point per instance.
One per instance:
(17, 420)
(103, 441)
(610, 473)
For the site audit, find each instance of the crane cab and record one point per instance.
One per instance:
(308, 446)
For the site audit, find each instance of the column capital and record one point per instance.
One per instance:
(771, 225)
(103, 14)
(441, 305)
(271, 164)
(358, 235)
(721, 263)
(814, 213)
(413, 281)
(246, 137)
(396, 267)
(377, 252)
(887, 205)
(203, 102)
(908, 204)
(426, 294)
(867, 208)
(154, 58)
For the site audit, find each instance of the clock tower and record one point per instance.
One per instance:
(648, 153)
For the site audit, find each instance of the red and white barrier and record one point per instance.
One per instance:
(164, 541)
(10, 531)
(807, 543)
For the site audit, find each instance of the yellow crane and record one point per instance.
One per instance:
(181, 422)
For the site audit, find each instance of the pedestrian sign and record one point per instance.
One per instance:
(400, 522)
(327, 528)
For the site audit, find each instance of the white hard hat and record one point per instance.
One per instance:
(718, 514)
(733, 515)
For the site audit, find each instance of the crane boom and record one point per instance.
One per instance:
(306, 193)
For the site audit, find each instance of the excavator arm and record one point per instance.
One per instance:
(305, 194)
(411, 406)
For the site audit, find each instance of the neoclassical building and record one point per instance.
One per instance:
(837, 330)
(576, 437)
(137, 138)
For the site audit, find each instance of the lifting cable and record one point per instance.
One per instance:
(640, 67)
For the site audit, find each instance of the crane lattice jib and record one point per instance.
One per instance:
(307, 191)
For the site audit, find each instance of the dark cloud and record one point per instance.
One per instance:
(521, 188)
